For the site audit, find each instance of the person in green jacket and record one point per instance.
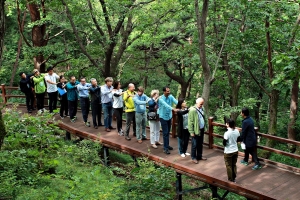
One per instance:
(196, 125)
(40, 89)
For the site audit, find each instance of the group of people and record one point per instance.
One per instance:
(111, 99)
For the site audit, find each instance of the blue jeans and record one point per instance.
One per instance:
(140, 120)
(165, 126)
(107, 110)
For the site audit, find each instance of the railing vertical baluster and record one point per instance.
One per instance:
(210, 133)
(3, 93)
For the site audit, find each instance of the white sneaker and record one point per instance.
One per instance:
(183, 155)
(40, 111)
(187, 154)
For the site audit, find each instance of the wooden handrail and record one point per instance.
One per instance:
(272, 137)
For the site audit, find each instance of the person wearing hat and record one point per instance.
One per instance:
(26, 86)
(40, 88)
(50, 79)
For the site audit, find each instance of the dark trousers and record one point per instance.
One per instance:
(52, 101)
(251, 150)
(230, 162)
(130, 117)
(197, 145)
(63, 105)
(40, 97)
(29, 100)
(183, 141)
(96, 113)
(85, 108)
(72, 108)
(118, 112)
(165, 126)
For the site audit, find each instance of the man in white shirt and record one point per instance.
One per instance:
(50, 79)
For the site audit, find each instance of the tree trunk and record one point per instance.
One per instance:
(201, 26)
(293, 111)
(2, 31)
(2, 27)
(38, 35)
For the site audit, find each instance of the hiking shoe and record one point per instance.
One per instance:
(73, 120)
(244, 163)
(167, 151)
(256, 167)
(87, 124)
(170, 148)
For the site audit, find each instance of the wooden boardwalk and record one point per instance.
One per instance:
(267, 183)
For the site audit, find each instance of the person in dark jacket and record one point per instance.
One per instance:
(248, 137)
(26, 86)
(95, 92)
(183, 134)
(63, 98)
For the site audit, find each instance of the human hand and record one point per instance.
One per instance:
(192, 135)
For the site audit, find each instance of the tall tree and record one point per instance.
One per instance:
(201, 27)
(2, 31)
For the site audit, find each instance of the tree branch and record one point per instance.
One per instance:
(44, 61)
(219, 56)
(105, 12)
(95, 20)
(78, 39)
(20, 26)
(57, 34)
(175, 77)
(61, 61)
(261, 87)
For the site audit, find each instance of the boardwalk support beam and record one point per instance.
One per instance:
(179, 190)
(104, 155)
(68, 135)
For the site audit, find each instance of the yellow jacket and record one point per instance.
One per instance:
(128, 100)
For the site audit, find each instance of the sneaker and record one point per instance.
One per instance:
(44, 110)
(154, 146)
(167, 151)
(67, 115)
(182, 155)
(170, 148)
(187, 154)
(120, 133)
(61, 117)
(87, 124)
(40, 111)
(244, 163)
(140, 141)
(158, 143)
(73, 120)
(29, 111)
(256, 167)
(127, 138)
(195, 161)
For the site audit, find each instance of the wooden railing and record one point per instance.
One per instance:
(212, 145)
(210, 133)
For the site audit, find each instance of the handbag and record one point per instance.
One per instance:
(151, 116)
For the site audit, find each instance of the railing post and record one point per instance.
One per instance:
(3, 94)
(179, 186)
(174, 119)
(255, 148)
(210, 132)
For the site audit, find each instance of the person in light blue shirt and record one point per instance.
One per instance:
(165, 116)
(140, 100)
(107, 103)
(83, 89)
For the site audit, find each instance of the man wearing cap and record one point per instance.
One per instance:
(40, 88)
(50, 79)
(26, 86)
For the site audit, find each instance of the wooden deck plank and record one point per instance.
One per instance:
(267, 183)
